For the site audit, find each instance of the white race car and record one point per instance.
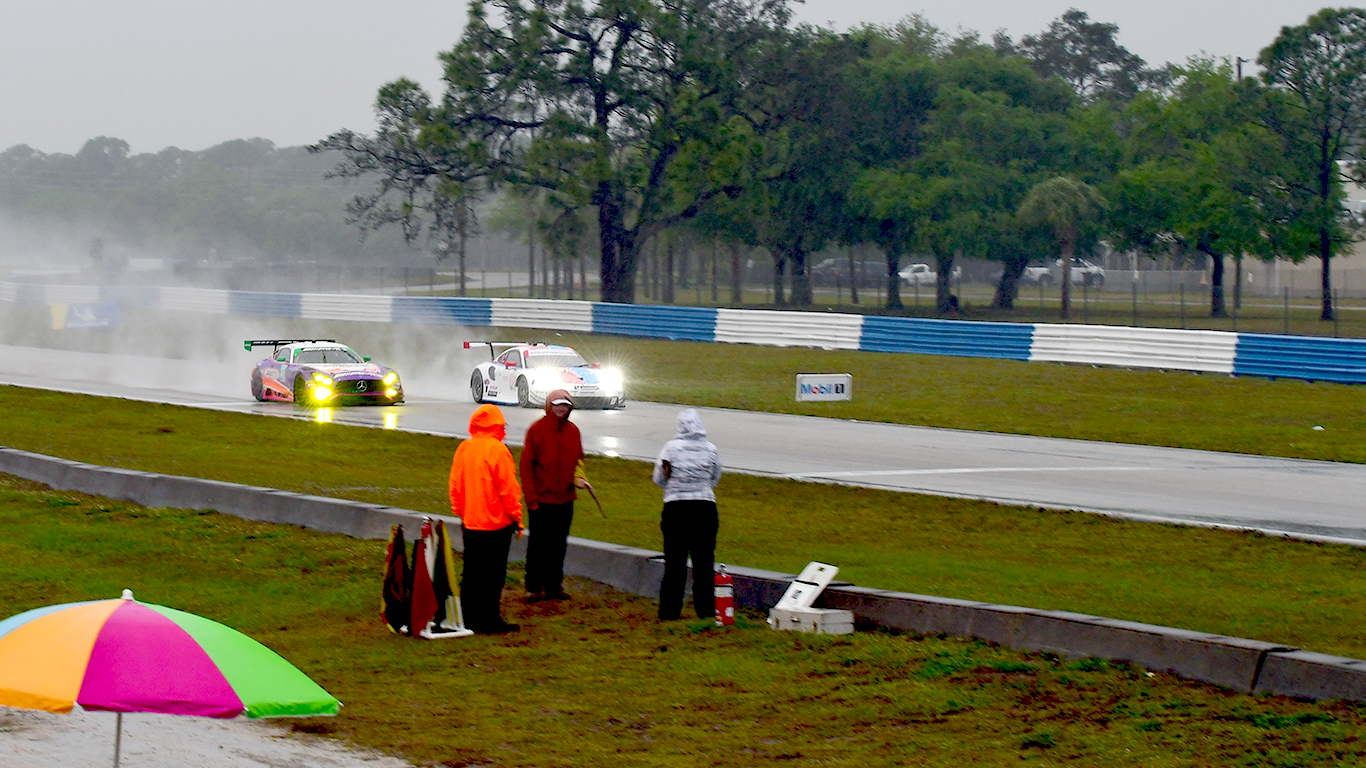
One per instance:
(525, 373)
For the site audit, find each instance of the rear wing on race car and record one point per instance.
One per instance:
(277, 343)
(492, 344)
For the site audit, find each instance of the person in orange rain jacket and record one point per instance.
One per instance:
(486, 497)
(552, 468)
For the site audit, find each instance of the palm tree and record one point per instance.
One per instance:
(1064, 205)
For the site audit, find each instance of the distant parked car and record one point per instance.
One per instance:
(921, 274)
(1083, 273)
(835, 271)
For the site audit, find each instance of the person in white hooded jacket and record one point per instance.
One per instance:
(688, 469)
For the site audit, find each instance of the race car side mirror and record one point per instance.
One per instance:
(597, 365)
(366, 359)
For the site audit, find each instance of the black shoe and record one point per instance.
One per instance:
(535, 597)
(558, 594)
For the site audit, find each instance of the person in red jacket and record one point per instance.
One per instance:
(486, 497)
(552, 468)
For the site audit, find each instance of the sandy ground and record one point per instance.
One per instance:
(80, 739)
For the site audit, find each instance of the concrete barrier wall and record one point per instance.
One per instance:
(1242, 665)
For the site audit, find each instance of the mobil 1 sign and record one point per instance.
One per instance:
(825, 386)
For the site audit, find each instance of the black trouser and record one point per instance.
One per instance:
(689, 528)
(546, 547)
(486, 568)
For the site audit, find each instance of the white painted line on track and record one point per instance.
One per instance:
(965, 471)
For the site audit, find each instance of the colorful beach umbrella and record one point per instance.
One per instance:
(126, 656)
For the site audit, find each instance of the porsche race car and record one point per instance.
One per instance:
(321, 372)
(525, 373)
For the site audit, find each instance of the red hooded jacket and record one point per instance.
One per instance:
(483, 484)
(550, 456)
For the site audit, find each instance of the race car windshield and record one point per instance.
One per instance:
(557, 360)
(336, 356)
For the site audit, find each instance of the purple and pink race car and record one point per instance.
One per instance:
(321, 372)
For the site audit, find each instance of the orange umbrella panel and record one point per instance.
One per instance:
(44, 653)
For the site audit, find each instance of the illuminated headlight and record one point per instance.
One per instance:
(390, 392)
(323, 379)
(390, 378)
(611, 379)
(321, 393)
(542, 381)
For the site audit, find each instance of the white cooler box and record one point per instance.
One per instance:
(794, 611)
(822, 621)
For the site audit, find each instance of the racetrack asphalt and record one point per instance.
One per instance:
(1305, 499)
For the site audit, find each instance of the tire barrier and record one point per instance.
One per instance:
(1248, 666)
(1240, 354)
(1007, 341)
(1301, 357)
(1206, 351)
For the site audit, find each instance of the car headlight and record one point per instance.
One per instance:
(611, 379)
(323, 379)
(390, 392)
(390, 378)
(321, 393)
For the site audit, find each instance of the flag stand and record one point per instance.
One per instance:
(445, 630)
(442, 557)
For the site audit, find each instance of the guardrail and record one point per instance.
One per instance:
(1243, 354)
(1249, 666)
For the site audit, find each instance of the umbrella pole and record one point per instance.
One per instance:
(118, 736)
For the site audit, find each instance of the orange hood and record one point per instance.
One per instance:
(488, 420)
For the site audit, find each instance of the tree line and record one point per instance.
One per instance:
(621, 121)
(242, 199)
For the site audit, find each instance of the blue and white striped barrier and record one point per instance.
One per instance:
(1242, 354)
(1208, 351)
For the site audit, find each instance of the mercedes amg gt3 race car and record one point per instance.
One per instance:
(321, 372)
(525, 373)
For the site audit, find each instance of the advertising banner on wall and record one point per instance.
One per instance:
(93, 315)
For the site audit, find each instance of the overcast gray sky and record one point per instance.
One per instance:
(194, 73)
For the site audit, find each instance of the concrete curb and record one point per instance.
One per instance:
(1242, 665)
(1308, 675)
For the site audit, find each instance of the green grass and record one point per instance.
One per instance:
(1232, 583)
(597, 681)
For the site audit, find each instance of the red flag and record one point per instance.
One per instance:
(424, 596)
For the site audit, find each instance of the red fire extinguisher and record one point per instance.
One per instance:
(725, 598)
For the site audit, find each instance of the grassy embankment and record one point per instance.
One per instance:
(597, 681)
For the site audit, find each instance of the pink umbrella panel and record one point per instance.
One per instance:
(125, 656)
